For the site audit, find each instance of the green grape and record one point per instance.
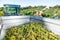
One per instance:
(30, 31)
(12, 38)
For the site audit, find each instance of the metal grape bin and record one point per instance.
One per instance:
(12, 19)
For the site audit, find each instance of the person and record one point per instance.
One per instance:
(41, 13)
(35, 13)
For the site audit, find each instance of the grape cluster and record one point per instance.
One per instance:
(30, 31)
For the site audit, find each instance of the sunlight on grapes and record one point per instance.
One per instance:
(30, 31)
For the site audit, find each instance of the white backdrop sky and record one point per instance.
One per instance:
(24, 3)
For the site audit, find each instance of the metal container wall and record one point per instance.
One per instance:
(11, 21)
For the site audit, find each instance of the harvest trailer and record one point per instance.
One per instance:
(11, 10)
